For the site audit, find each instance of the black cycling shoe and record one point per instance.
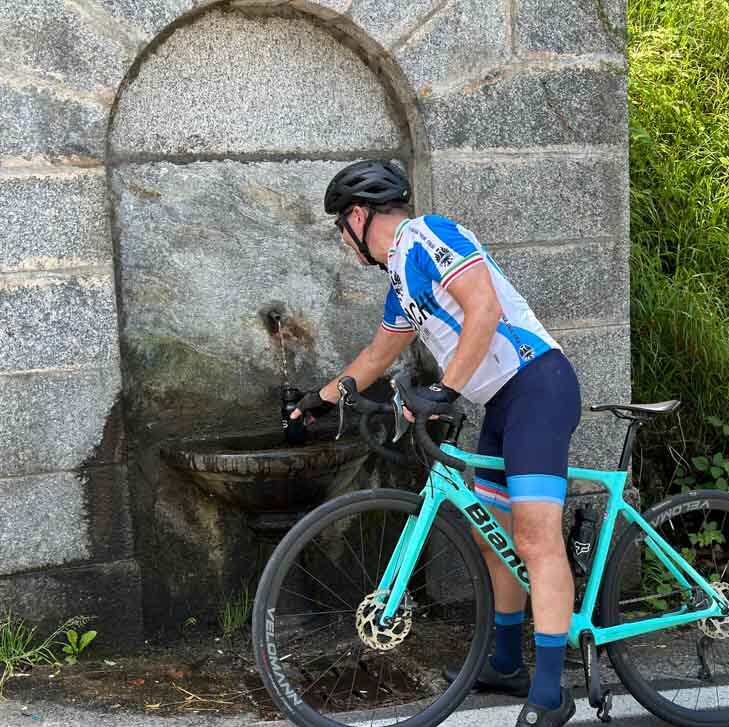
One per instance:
(489, 680)
(534, 716)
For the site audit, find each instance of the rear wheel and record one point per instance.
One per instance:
(319, 645)
(680, 674)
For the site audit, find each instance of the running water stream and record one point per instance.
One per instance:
(294, 429)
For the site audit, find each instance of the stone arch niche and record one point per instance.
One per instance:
(221, 143)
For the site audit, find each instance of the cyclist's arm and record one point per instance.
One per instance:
(372, 361)
(474, 292)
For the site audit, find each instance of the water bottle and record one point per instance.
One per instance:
(294, 429)
(582, 540)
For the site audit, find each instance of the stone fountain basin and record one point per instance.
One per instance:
(262, 473)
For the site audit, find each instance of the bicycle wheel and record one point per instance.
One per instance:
(680, 674)
(320, 649)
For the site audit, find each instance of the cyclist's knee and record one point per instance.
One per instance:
(538, 531)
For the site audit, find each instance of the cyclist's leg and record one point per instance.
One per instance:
(542, 411)
(509, 596)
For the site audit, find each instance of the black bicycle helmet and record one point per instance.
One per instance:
(369, 182)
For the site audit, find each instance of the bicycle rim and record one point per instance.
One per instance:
(680, 674)
(319, 647)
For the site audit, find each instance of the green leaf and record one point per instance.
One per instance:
(72, 637)
(67, 649)
(716, 472)
(86, 639)
(701, 463)
(718, 459)
(714, 421)
(722, 484)
(725, 430)
(71, 660)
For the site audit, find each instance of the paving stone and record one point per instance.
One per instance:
(66, 42)
(601, 359)
(535, 199)
(42, 522)
(579, 281)
(54, 221)
(54, 422)
(456, 43)
(393, 22)
(598, 441)
(222, 61)
(53, 320)
(111, 592)
(570, 106)
(38, 121)
(571, 26)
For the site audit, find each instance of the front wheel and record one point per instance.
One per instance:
(681, 674)
(321, 650)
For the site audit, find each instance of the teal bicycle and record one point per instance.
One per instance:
(369, 595)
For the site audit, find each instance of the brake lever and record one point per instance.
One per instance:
(401, 423)
(343, 396)
(341, 406)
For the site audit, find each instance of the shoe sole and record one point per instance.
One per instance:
(493, 689)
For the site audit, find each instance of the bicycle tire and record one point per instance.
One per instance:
(654, 653)
(290, 698)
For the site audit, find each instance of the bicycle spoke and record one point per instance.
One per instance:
(336, 565)
(324, 585)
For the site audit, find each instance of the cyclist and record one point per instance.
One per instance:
(446, 288)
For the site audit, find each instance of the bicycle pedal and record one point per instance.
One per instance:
(606, 705)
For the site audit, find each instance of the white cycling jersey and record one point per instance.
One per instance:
(428, 254)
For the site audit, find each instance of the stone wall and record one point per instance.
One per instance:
(161, 172)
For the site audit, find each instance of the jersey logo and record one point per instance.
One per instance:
(443, 258)
(396, 284)
(526, 352)
(420, 309)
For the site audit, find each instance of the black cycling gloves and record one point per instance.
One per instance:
(312, 405)
(439, 393)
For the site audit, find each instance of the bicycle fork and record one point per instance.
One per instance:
(395, 579)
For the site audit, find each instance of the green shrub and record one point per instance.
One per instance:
(679, 197)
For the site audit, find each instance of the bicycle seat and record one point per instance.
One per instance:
(661, 407)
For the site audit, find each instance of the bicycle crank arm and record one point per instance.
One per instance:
(601, 700)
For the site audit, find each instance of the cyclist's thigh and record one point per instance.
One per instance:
(541, 414)
(490, 485)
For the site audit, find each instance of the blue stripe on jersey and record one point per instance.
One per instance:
(420, 272)
(447, 231)
(393, 310)
(520, 337)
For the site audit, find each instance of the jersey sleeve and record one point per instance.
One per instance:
(394, 319)
(451, 250)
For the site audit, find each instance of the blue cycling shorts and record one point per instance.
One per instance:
(529, 422)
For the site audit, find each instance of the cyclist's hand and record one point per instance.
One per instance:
(437, 392)
(312, 406)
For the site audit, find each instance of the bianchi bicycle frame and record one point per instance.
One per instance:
(446, 484)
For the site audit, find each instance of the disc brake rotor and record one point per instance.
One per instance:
(717, 628)
(372, 633)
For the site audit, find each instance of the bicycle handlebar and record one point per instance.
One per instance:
(421, 408)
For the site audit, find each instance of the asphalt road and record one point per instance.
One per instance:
(476, 712)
